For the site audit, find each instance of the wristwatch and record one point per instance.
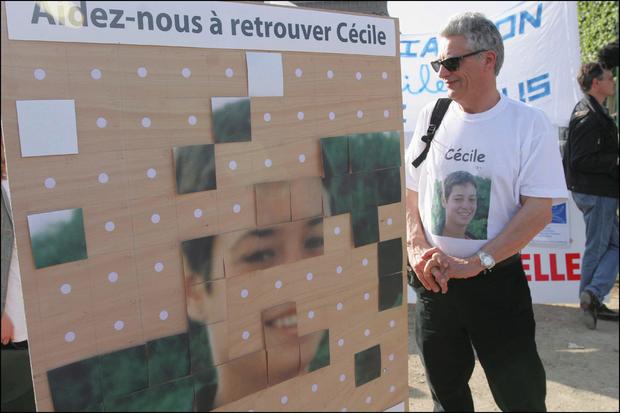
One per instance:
(486, 260)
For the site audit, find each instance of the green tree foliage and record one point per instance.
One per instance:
(598, 25)
(61, 242)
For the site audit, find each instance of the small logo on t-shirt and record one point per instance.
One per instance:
(469, 156)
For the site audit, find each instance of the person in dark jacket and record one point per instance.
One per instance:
(591, 166)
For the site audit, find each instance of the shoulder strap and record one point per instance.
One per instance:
(439, 111)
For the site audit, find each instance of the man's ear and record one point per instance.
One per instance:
(490, 58)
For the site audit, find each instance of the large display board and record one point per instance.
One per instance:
(206, 228)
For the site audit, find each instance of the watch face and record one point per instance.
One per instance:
(486, 261)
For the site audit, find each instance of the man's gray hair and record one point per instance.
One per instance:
(479, 32)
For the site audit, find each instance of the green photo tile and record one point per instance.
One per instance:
(363, 149)
(201, 358)
(57, 237)
(174, 396)
(336, 195)
(124, 372)
(388, 186)
(76, 386)
(194, 167)
(390, 291)
(388, 149)
(231, 119)
(204, 394)
(367, 365)
(363, 190)
(365, 223)
(322, 356)
(390, 254)
(335, 155)
(168, 358)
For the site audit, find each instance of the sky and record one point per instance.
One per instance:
(419, 17)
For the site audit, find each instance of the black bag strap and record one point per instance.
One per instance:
(439, 111)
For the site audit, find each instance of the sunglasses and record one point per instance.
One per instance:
(452, 63)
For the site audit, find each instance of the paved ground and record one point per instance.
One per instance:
(578, 379)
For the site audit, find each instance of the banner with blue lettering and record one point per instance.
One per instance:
(541, 42)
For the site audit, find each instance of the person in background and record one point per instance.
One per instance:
(17, 388)
(591, 167)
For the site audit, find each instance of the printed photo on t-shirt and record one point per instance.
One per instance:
(461, 206)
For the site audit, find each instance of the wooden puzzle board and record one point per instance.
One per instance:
(130, 292)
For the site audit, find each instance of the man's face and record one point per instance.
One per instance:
(607, 85)
(464, 82)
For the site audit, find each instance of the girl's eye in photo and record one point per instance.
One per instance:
(259, 256)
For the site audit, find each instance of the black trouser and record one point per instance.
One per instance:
(17, 390)
(493, 313)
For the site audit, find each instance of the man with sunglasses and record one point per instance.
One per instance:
(473, 294)
(591, 165)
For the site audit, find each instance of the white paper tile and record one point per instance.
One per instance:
(265, 74)
(47, 127)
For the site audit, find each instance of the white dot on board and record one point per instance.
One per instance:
(113, 277)
(310, 314)
(386, 113)
(389, 221)
(39, 74)
(301, 158)
(309, 276)
(155, 218)
(102, 122)
(284, 400)
(300, 115)
(360, 114)
(341, 342)
(229, 72)
(392, 323)
(244, 293)
(119, 325)
(142, 72)
(95, 74)
(337, 230)
(186, 72)
(278, 284)
(392, 389)
(368, 400)
(332, 116)
(367, 332)
(268, 163)
(192, 120)
(232, 165)
(365, 262)
(110, 226)
(384, 75)
(245, 335)
(236, 208)
(49, 183)
(65, 289)
(391, 357)
(103, 178)
(151, 173)
(366, 296)
(163, 315)
(146, 122)
(267, 117)
(197, 213)
(70, 337)
(330, 74)
(358, 75)
(339, 306)
(344, 409)
(159, 267)
(299, 72)
(342, 377)
(339, 269)
(314, 388)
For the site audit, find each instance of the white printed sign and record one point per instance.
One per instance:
(219, 25)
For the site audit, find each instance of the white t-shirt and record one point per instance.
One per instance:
(477, 168)
(14, 305)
